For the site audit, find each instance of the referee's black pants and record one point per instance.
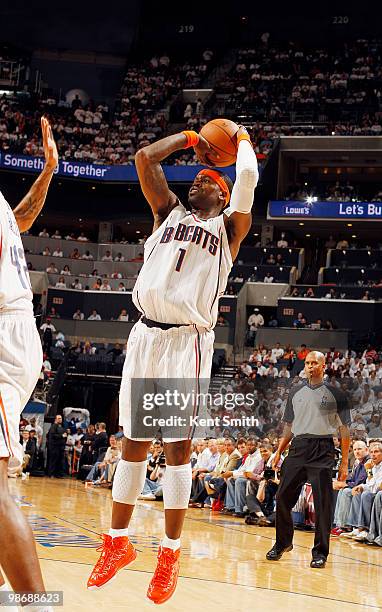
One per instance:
(309, 460)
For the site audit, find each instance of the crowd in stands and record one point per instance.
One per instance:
(340, 191)
(286, 87)
(91, 132)
(279, 89)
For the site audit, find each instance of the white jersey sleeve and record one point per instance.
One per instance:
(15, 288)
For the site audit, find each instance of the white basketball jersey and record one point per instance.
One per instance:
(186, 266)
(15, 288)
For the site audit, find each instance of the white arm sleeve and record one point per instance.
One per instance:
(247, 175)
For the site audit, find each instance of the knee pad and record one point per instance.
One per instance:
(128, 482)
(177, 483)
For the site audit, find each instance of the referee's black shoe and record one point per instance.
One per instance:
(318, 563)
(276, 553)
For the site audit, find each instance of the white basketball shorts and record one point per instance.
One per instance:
(20, 366)
(179, 353)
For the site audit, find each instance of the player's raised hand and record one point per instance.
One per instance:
(201, 150)
(49, 144)
(242, 134)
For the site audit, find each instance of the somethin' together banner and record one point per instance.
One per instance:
(98, 172)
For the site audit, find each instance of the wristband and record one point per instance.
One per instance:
(192, 138)
(243, 136)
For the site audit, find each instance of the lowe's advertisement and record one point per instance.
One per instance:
(98, 172)
(288, 209)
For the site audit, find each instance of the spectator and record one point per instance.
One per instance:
(221, 321)
(58, 252)
(108, 256)
(255, 321)
(82, 237)
(76, 285)
(121, 287)
(299, 322)
(123, 316)
(78, 315)
(51, 269)
(103, 471)
(97, 285)
(87, 256)
(119, 257)
(363, 496)
(94, 316)
(237, 484)
(284, 373)
(342, 244)
(344, 498)
(52, 313)
(262, 488)
(88, 349)
(277, 352)
(268, 278)
(29, 450)
(60, 284)
(101, 441)
(47, 252)
(75, 254)
(56, 447)
(116, 351)
(282, 243)
(309, 293)
(48, 330)
(44, 233)
(105, 286)
(57, 235)
(303, 352)
(374, 428)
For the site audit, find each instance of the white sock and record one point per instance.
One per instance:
(176, 485)
(117, 533)
(168, 543)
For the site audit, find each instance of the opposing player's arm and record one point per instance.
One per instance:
(239, 222)
(151, 176)
(31, 204)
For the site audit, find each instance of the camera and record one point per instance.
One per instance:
(269, 474)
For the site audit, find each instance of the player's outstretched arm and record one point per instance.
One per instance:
(151, 176)
(31, 204)
(239, 221)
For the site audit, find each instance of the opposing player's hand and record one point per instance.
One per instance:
(201, 150)
(49, 144)
(342, 472)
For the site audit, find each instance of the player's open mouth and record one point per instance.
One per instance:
(193, 190)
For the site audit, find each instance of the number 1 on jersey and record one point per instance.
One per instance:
(182, 253)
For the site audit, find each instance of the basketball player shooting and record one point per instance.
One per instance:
(20, 366)
(187, 261)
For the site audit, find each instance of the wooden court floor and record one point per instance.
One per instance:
(222, 567)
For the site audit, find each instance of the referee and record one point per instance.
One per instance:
(314, 413)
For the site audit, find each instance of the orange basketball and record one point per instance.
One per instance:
(221, 135)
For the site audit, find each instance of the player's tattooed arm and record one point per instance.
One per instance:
(151, 176)
(31, 204)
